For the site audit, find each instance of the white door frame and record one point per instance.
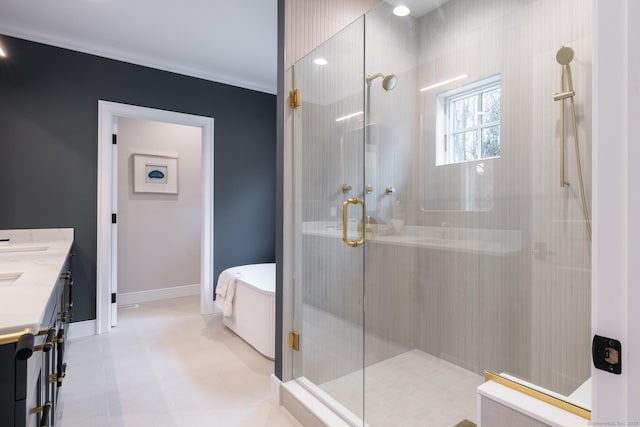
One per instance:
(616, 206)
(107, 111)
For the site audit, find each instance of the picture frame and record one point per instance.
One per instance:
(155, 174)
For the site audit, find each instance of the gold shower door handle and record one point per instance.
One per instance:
(345, 207)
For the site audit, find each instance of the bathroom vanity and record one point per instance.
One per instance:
(35, 309)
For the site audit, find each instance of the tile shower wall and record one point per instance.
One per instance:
(526, 312)
(391, 272)
(328, 153)
(309, 23)
(560, 250)
(483, 311)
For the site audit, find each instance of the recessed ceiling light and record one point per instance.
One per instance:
(401, 10)
(2, 53)
(320, 61)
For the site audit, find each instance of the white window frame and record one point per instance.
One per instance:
(444, 121)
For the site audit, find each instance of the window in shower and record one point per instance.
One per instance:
(470, 122)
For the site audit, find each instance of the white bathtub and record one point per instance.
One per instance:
(254, 306)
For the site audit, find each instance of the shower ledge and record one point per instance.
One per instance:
(494, 242)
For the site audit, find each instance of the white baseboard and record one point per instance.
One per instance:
(275, 389)
(157, 294)
(308, 409)
(81, 329)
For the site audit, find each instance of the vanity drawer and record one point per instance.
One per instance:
(32, 365)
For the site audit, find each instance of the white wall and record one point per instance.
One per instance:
(633, 206)
(158, 234)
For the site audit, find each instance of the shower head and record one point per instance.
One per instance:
(564, 55)
(388, 82)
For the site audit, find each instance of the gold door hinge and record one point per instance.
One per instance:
(294, 340)
(294, 98)
(55, 378)
(39, 409)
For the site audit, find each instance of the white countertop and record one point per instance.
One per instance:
(39, 256)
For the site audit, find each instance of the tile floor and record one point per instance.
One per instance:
(411, 389)
(165, 365)
(408, 388)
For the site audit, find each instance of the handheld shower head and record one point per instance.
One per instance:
(388, 82)
(564, 55)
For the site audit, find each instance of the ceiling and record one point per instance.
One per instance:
(227, 41)
(418, 8)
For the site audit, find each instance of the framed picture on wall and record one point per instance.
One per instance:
(155, 174)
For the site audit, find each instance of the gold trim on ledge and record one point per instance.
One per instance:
(13, 337)
(551, 400)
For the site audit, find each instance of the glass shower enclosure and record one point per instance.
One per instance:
(432, 240)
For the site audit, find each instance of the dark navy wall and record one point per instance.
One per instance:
(49, 150)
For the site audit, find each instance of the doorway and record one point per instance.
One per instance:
(108, 113)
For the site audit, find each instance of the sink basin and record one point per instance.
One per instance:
(7, 279)
(13, 249)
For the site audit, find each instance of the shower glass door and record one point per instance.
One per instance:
(328, 186)
(479, 260)
(437, 134)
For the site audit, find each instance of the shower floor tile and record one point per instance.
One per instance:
(411, 389)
